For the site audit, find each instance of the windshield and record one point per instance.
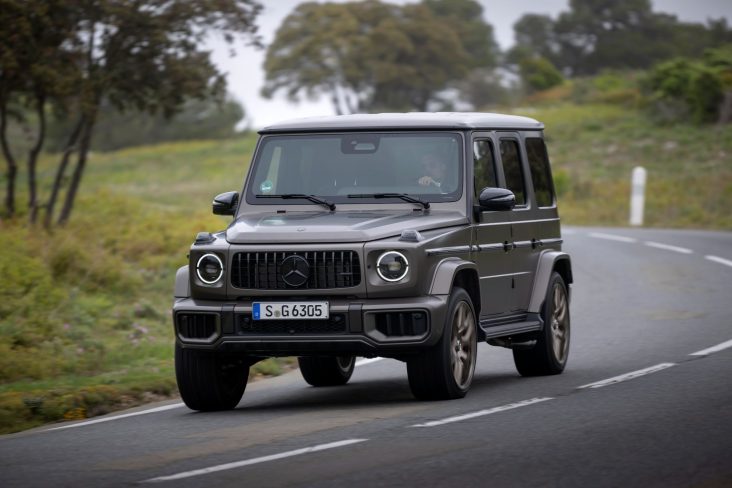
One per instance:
(357, 168)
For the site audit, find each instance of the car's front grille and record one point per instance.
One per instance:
(336, 324)
(325, 269)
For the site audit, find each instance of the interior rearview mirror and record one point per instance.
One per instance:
(225, 203)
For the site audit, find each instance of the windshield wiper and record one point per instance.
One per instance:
(403, 196)
(312, 198)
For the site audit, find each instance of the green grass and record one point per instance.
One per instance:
(85, 311)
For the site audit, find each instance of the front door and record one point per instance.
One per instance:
(492, 236)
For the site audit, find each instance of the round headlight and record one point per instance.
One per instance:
(392, 266)
(210, 269)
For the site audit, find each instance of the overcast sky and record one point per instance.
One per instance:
(245, 74)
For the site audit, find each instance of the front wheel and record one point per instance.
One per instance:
(549, 354)
(445, 371)
(326, 370)
(208, 381)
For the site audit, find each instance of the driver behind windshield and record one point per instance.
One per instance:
(434, 170)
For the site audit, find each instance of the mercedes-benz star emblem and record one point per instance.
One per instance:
(295, 270)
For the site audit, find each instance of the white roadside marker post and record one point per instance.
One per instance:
(637, 195)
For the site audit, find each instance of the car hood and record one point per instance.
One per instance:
(341, 226)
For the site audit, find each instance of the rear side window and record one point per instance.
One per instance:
(540, 171)
(485, 166)
(512, 169)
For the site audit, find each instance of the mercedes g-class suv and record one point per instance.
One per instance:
(407, 236)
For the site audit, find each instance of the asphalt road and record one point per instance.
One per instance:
(640, 310)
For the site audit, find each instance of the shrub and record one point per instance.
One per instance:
(539, 74)
(681, 89)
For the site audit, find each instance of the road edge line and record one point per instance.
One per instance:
(118, 417)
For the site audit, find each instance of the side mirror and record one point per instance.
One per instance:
(225, 203)
(496, 199)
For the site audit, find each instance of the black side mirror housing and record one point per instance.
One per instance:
(499, 199)
(225, 203)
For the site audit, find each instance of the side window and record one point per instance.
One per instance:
(484, 165)
(540, 171)
(512, 169)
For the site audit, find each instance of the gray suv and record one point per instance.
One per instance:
(408, 236)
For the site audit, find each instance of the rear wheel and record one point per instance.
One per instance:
(549, 354)
(208, 381)
(445, 371)
(326, 370)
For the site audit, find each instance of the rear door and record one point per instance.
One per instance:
(520, 261)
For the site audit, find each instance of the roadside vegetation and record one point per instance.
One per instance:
(85, 310)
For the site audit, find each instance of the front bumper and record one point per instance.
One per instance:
(371, 327)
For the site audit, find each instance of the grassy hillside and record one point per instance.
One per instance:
(594, 148)
(84, 312)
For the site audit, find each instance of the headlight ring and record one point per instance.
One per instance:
(392, 266)
(210, 268)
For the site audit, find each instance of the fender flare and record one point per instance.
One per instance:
(548, 261)
(445, 272)
(182, 283)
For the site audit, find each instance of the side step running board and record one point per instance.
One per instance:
(511, 329)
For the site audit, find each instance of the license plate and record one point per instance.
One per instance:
(290, 310)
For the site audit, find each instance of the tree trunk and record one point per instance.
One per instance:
(33, 160)
(12, 170)
(78, 170)
(61, 171)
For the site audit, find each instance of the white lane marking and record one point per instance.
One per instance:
(713, 349)
(117, 417)
(249, 462)
(719, 260)
(569, 232)
(628, 376)
(667, 247)
(365, 361)
(612, 237)
(480, 413)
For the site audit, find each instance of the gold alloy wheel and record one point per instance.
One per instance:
(463, 345)
(560, 324)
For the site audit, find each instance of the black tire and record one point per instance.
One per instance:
(327, 370)
(445, 371)
(207, 381)
(551, 351)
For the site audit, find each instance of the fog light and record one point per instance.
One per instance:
(209, 269)
(392, 266)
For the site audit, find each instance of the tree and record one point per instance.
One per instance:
(34, 68)
(369, 55)
(465, 18)
(594, 35)
(534, 36)
(130, 54)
